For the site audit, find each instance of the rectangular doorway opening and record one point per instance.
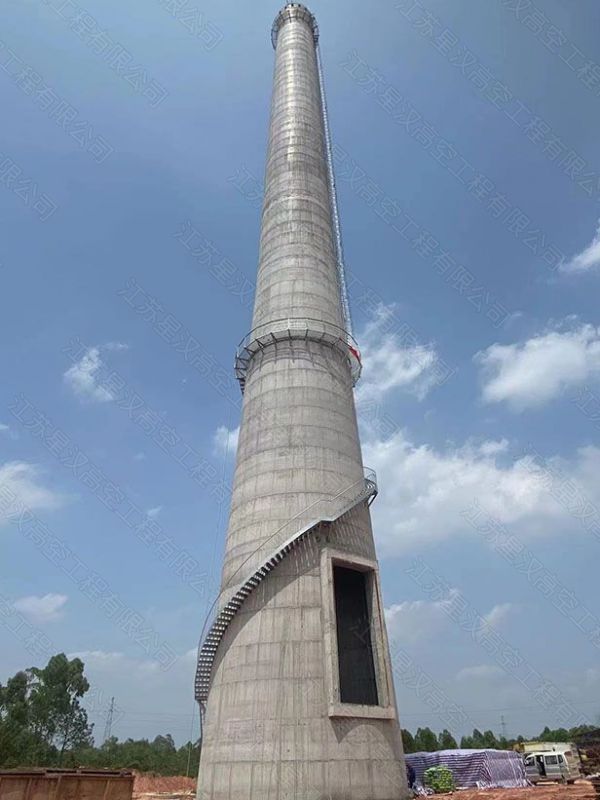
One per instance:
(358, 683)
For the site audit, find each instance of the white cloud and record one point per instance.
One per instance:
(389, 364)
(492, 448)
(40, 610)
(417, 620)
(424, 492)
(530, 373)
(592, 675)
(480, 671)
(587, 260)
(113, 662)
(498, 614)
(225, 441)
(21, 486)
(83, 377)
(6, 430)
(154, 512)
(115, 659)
(413, 620)
(101, 657)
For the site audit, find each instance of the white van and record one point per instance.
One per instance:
(547, 766)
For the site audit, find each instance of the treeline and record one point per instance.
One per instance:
(43, 723)
(426, 740)
(159, 755)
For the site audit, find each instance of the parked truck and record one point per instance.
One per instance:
(546, 765)
(551, 761)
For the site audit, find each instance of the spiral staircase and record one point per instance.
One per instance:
(324, 511)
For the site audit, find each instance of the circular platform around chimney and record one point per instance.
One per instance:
(290, 12)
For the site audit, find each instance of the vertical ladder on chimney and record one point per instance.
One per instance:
(339, 247)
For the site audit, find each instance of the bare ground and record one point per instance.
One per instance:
(147, 785)
(582, 790)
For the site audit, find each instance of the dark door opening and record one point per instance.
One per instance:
(355, 652)
(540, 765)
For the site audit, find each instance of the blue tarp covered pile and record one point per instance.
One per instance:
(474, 769)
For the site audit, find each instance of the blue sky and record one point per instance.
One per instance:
(134, 140)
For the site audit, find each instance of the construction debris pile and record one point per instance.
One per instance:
(589, 751)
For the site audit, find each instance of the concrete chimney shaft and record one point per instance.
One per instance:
(294, 675)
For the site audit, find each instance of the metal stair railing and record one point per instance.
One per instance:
(323, 510)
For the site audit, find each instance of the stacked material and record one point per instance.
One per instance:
(589, 751)
(474, 769)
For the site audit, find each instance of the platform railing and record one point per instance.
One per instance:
(295, 329)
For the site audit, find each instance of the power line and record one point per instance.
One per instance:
(187, 715)
(534, 709)
(144, 713)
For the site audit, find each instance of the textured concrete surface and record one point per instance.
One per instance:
(268, 728)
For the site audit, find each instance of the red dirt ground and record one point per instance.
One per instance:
(148, 784)
(582, 790)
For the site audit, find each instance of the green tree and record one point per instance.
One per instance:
(408, 741)
(558, 735)
(480, 741)
(446, 741)
(55, 694)
(188, 758)
(477, 737)
(425, 740)
(17, 742)
(489, 740)
(41, 717)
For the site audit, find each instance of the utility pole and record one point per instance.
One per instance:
(109, 720)
(190, 745)
(503, 726)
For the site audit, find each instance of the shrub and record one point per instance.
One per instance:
(439, 779)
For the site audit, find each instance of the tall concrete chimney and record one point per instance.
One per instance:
(294, 677)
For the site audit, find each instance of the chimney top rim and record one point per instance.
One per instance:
(294, 11)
